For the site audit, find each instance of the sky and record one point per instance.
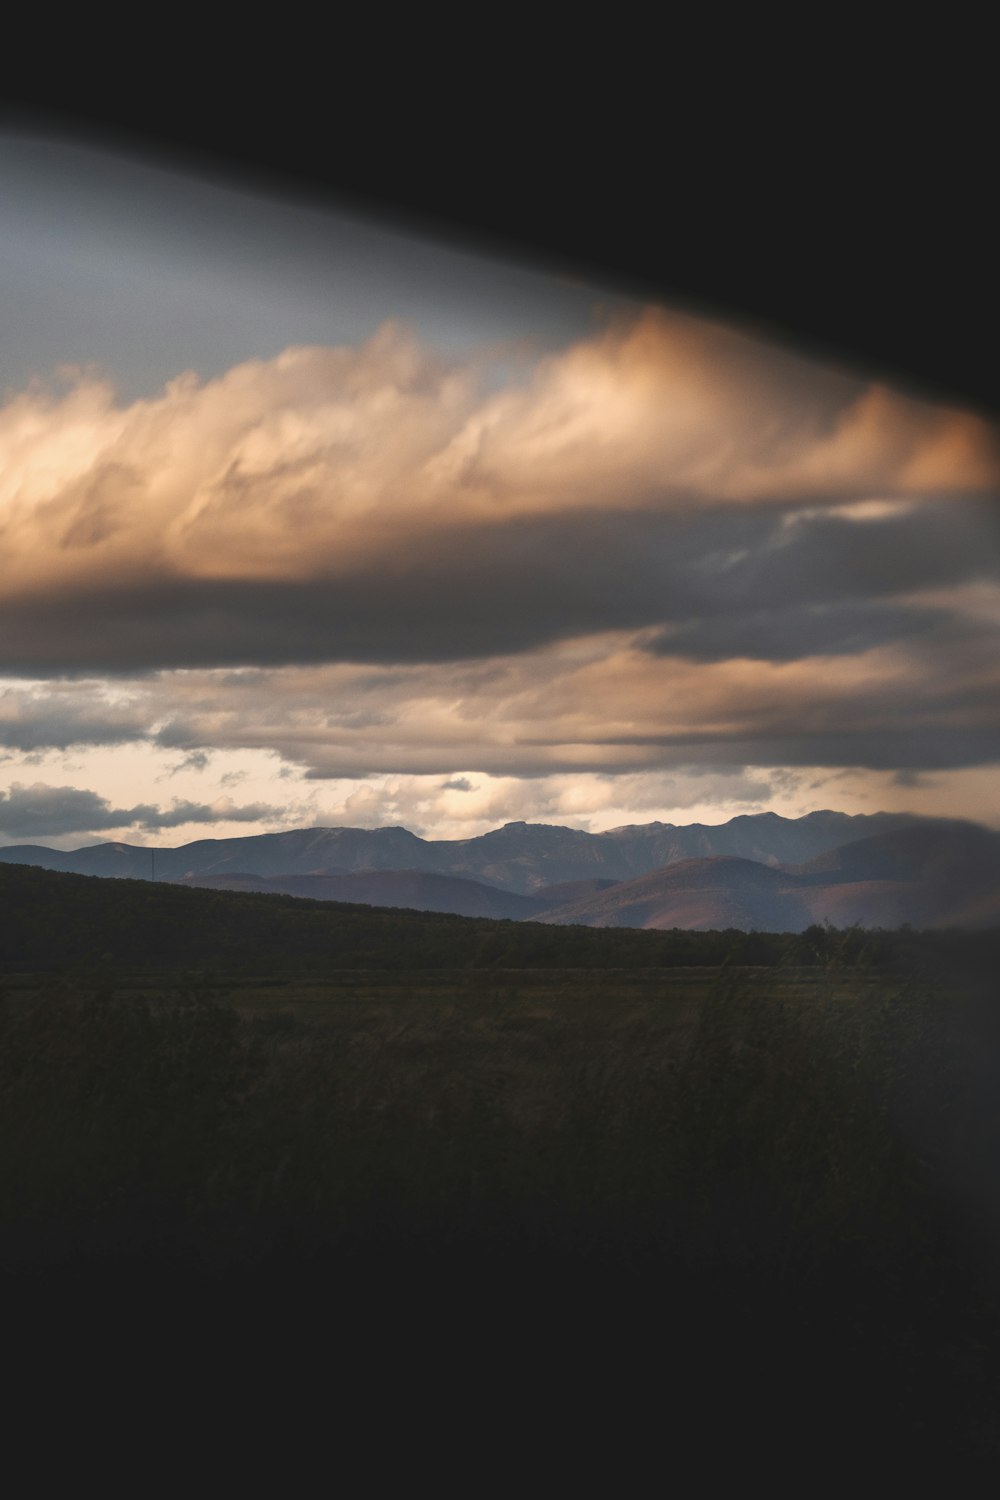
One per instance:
(307, 520)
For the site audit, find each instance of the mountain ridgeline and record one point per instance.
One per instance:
(519, 857)
(757, 872)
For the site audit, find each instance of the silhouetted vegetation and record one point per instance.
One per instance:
(786, 1172)
(55, 920)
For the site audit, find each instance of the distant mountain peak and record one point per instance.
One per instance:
(527, 859)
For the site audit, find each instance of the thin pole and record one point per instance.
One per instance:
(152, 856)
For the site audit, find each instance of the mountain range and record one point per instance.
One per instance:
(757, 871)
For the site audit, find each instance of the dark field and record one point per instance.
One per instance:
(766, 1185)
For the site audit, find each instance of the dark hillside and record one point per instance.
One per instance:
(939, 874)
(564, 891)
(702, 894)
(935, 852)
(784, 1189)
(416, 890)
(52, 919)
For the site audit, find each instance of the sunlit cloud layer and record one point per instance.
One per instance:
(925, 698)
(382, 503)
(668, 567)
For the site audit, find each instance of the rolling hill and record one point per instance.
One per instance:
(53, 920)
(927, 875)
(701, 894)
(875, 871)
(415, 890)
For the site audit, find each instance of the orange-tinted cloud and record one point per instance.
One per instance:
(361, 473)
(601, 705)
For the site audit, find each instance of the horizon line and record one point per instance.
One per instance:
(467, 838)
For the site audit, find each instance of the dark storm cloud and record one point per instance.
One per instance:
(913, 746)
(726, 583)
(780, 588)
(463, 593)
(805, 630)
(731, 562)
(815, 558)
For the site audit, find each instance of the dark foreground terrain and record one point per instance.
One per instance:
(741, 1214)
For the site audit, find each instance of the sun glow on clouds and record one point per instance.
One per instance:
(161, 801)
(668, 570)
(323, 461)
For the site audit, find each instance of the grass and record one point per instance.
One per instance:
(795, 1159)
(602, 1096)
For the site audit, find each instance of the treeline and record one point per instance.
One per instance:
(50, 920)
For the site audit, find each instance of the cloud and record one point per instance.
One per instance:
(223, 810)
(913, 683)
(42, 811)
(57, 715)
(666, 547)
(197, 760)
(426, 806)
(797, 631)
(383, 504)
